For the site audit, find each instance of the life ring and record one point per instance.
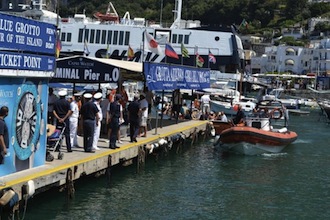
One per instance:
(276, 113)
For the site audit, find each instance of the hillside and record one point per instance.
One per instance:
(258, 14)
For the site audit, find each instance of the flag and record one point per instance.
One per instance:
(107, 55)
(130, 53)
(244, 24)
(184, 51)
(86, 51)
(170, 52)
(199, 60)
(152, 44)
(212, 58)
(58, 47)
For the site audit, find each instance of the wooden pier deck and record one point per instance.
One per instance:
(78, 163)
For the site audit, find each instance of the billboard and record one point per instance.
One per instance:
(26, 100)
(26, 35)
(163, 76)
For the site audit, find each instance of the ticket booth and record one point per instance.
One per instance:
(27, 62)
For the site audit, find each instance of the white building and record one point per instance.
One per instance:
(297, 60)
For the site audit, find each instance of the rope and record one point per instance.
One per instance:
(108, 170)
(141, 158)
(69, 183)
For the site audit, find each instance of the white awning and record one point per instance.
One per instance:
(289, 62)
(290, 50)
(123, 64)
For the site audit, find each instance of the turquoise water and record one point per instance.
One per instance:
(202, 183)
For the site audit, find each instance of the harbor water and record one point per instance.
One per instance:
(201, 182)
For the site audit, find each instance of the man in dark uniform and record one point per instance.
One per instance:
(90, 117)
(133, 118)
(62, 113)
(115, 114)
(4, 138)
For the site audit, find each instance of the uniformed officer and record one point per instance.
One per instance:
(62, 113)
(97, 130)
(90, 115)
(114, 115)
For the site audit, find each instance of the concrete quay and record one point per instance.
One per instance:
(63, 172)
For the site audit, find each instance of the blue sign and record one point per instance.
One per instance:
(9, 60)
(162, 76)
(84, 70)
(27, 35)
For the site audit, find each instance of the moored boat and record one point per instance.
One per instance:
(325, 108)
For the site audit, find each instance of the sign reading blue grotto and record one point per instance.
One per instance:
(162, 76)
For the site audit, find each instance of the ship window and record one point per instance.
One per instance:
(68, 37)
(115, 38)
(121, 37)
(180, 38)
(174, 38)
(186, 39)
(104, 37)
(127, 34)
(63, 36)
(97, 39)
(80, 35)
(91, 40)
(86, 35)
(109, 37)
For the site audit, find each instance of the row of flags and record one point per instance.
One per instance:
(154, 47)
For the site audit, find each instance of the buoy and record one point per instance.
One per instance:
(161, 141)
(31, 188)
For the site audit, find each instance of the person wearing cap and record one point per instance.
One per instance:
(90, 115)
(97, 130)
(74, 118)
(144, 114)
(115, 113)
(133, 118)
(62, 112)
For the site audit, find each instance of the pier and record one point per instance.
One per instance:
(63, 172)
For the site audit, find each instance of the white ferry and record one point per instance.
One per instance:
(112, 37)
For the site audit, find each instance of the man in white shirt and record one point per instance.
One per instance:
(74, 118)
(97, 129)
(205, 100)
(144, 114)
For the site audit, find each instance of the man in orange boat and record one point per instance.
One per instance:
(239, 117)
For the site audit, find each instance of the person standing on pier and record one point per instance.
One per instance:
(74, 120)
(116, 112)
(144, 114)
(90, 115)
(62, 113)
(177, 103)
(98, 124)
(4, 138)
(133, 118)
(52, 98)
